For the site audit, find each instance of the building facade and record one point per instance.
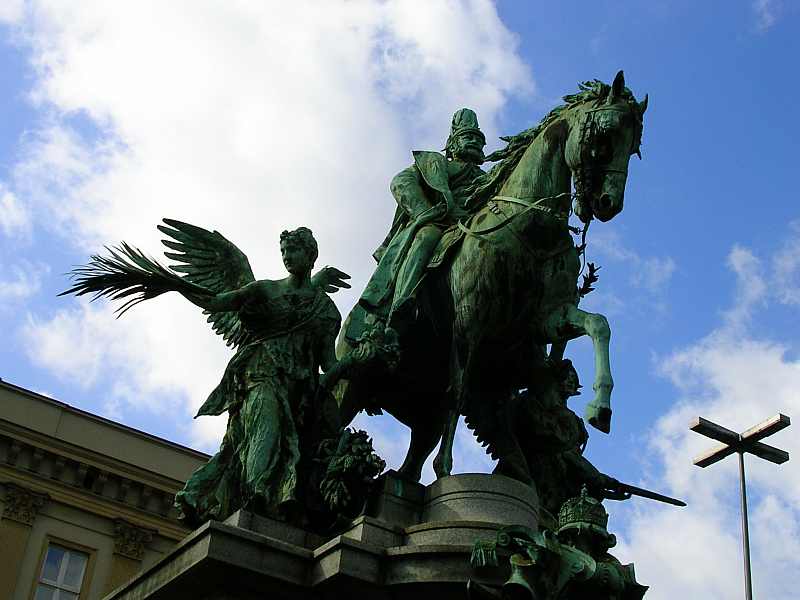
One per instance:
(85, 502)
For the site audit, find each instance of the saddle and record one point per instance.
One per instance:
(448, 243)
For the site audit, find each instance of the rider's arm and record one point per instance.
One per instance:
(407, 189)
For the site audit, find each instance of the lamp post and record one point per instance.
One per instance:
(748, 441)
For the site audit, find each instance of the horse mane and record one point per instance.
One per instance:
(486, 186)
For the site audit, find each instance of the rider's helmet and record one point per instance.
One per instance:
(464, 120)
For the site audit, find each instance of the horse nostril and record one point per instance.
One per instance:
(605, 201)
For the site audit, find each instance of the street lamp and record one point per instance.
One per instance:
(740, 443)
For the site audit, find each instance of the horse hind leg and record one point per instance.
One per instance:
(423, 440)
(570, 322)
(443, 462)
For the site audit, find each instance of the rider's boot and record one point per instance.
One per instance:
(404, 304)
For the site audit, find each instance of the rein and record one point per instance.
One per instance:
(586, 169)
(529, 206)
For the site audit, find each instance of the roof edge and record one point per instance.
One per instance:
(104, 420)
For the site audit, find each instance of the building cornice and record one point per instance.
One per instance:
(102, 506)
(65, 451)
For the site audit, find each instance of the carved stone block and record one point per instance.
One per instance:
(130, 540)
(22, 505)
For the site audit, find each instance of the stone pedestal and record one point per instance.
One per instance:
(413, 540)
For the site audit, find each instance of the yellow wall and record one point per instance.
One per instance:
(95, 483)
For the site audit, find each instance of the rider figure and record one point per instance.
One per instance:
(431, 196)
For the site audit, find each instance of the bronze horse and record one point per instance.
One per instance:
(495, 302)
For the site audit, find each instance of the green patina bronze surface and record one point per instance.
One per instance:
(473, 301)
(284, 439)
(569, 561)
(478, 277)
(431, 194)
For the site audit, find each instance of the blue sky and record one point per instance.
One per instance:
(254, 119)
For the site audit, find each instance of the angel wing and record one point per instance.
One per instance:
(209, 263)
(208, 259)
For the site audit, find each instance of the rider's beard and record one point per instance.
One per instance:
(471, 154)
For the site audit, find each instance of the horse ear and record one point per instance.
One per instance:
(618, 86)
(643, 104)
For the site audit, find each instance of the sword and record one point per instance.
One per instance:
(623, 491)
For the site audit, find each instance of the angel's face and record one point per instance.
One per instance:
(296, 259)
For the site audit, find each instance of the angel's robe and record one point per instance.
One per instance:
(268, 389)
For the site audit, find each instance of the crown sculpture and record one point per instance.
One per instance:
(573, 562)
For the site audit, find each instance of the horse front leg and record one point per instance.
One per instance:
(443, 462)
(569, 322)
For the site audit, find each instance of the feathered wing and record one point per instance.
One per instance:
(208, 259)
(209, 262)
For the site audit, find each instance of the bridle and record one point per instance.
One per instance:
(583, 176)
(587, 169)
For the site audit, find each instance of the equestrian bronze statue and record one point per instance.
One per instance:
(478, 278)
(469, 312)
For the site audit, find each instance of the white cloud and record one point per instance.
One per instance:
(146, 361)
(649, 273)
(786, 269)
(20, 281)
(750, 283)
(736, 378)
(655, 273)
(249, 118)
(56, 173)
(142, 362)
(767, 13)
(605, 302)
(11, 11)
(15, 218)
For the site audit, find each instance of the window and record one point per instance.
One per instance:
(62, 574)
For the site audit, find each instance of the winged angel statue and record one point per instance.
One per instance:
(283, 331)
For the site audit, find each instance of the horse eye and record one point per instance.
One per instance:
(602, 146)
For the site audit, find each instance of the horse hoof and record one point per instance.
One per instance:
(442, 470)
(599, 417)
(407, 475)
(514, 472)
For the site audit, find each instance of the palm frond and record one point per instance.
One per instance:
(127, 274)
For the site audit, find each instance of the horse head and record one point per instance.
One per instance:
(605, 131)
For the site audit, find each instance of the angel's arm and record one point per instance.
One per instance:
(330, 279)
(328, 352)
(227, 301)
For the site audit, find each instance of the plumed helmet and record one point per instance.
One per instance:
(464, 119)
